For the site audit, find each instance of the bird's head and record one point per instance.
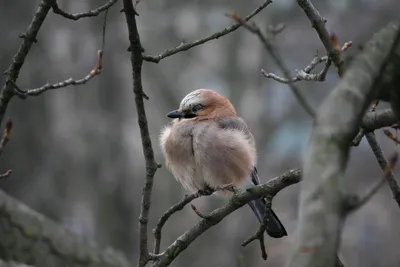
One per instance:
(203, 104)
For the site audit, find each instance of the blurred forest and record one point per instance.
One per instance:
(76, 152)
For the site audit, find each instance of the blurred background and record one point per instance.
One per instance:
(76, 153)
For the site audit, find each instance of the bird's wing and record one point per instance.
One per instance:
(239, 124)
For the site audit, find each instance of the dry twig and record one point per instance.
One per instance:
(278, 60)
(184, 47)
(318, 23)
(304, 74)
(260, 232)
(354, 203)
(91, 13)
(24, 93)
(383, 163)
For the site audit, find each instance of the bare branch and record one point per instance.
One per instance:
(7, 92)
(321, 198)
(269, 189)
(92, 13)
(354, 203)
(304, 74)
(24, 93)
(178, 206)
(6, 135)
(278, 60)
(260, 232)
(380, 157)
(318, 23)
(184, 47)
(6, 174)
(151, 165)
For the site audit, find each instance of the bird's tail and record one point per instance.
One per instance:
(274, 227)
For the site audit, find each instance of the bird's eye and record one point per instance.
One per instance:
(196, 108)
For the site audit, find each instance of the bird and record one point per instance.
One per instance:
(207, 146)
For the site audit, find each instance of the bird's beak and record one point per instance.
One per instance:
(179, 114)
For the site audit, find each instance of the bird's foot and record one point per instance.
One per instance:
(206, 191)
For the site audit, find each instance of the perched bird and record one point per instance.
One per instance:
(208, 146)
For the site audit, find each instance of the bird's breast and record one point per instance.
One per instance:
(177, 146)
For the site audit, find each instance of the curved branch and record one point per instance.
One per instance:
(7, 92)
(271, 188)
(91, 13)
(184, 47)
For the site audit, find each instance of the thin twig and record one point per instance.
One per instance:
(390, 177)
(355, 203)
(6, 174)
(24, 93)
(151, 165)
(260, 232)
(304, 74)
(184, 47)
(7, 92)
(179, 206)
(92, 13)
(161, 222)
(6, 135)
(278, 60)
(318, 23)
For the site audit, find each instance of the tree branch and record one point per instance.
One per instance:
(383, 163)
(378, 119)
(318, 23)
(151, 165)
(260, 232)
(185, 47)
(269, 189)
(7, 92)
(304, 74)
(278, 60)
(49, 244)
(91, 13)
(321, 212)
(178, 206)
(24, 93)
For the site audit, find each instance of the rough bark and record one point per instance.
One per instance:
(29, 237)
(321, 212)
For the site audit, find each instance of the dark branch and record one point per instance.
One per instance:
(383, 163)
(278, 60)
(151, 165)
(6, 135)
(318, 23)
(7, 92)
(92, 13)
(49, 86)
(184, 47)
(269, 189)
(178, 206)
(260, 232)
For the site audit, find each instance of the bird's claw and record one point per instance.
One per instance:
(206, 191)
